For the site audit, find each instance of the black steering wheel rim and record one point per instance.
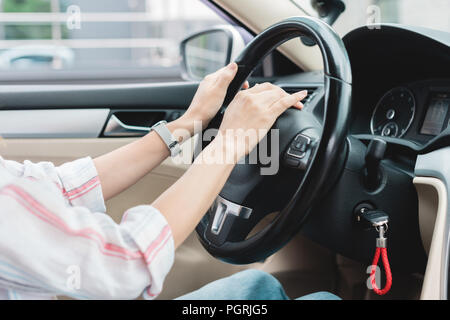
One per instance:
(337, 85)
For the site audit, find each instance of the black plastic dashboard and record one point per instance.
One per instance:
(413, 63)
(395, 61)
(423, 113)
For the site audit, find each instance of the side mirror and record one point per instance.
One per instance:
(208, 51)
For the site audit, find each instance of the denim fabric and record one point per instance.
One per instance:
(249, 285)
(322, 295)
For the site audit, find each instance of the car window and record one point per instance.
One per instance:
(57, 39)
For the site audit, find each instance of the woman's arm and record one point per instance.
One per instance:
(186, 201)
(85, 254)
(123, 167)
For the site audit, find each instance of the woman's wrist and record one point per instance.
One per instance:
(182, 128)
(188, 125)
(223, 150)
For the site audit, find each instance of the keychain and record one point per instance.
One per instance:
(379, 220)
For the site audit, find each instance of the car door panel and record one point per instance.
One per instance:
(168, 96)
(58, 123)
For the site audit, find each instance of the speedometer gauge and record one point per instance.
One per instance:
(394, 113)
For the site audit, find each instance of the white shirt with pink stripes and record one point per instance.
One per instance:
(55, 238)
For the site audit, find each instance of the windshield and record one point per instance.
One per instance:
(432, 14)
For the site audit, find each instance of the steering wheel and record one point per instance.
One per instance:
(311, 151)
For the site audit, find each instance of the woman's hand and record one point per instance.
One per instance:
(187, 200)
(251, 114)
(210, 95)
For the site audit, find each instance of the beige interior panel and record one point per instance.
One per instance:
(250, 14)
(302, 267)
(428, 209)
(432, 195)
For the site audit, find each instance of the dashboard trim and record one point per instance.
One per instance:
(432, 230)
(436, 164)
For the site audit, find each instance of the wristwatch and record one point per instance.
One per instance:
(172, 144)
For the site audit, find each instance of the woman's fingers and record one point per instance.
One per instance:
(269, 96)
(288, 101)
(226, 74)
(274, 94)
(260, 87)
(298, 105)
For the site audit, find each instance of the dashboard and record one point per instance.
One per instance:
(401, 82)
(416, 111)
(400, 90)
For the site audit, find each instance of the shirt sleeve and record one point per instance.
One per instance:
(61, 242)
(77, 180)
(81, 185)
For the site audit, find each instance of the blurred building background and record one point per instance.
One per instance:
(100, 34)
(142, 36)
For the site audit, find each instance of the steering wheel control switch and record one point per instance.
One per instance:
(298, 152)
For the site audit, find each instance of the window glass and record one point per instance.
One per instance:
(97, 36)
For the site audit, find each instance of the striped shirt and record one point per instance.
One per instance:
(55, 238)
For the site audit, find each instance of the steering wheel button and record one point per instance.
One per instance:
(296, 153)
(292, 162)
(303, 147)
(303, 139)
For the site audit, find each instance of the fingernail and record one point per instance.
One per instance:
(233, 65)
(303, 93)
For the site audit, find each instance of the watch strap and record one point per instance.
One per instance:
(166, 136)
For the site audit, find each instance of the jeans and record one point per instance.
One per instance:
(249, 285)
